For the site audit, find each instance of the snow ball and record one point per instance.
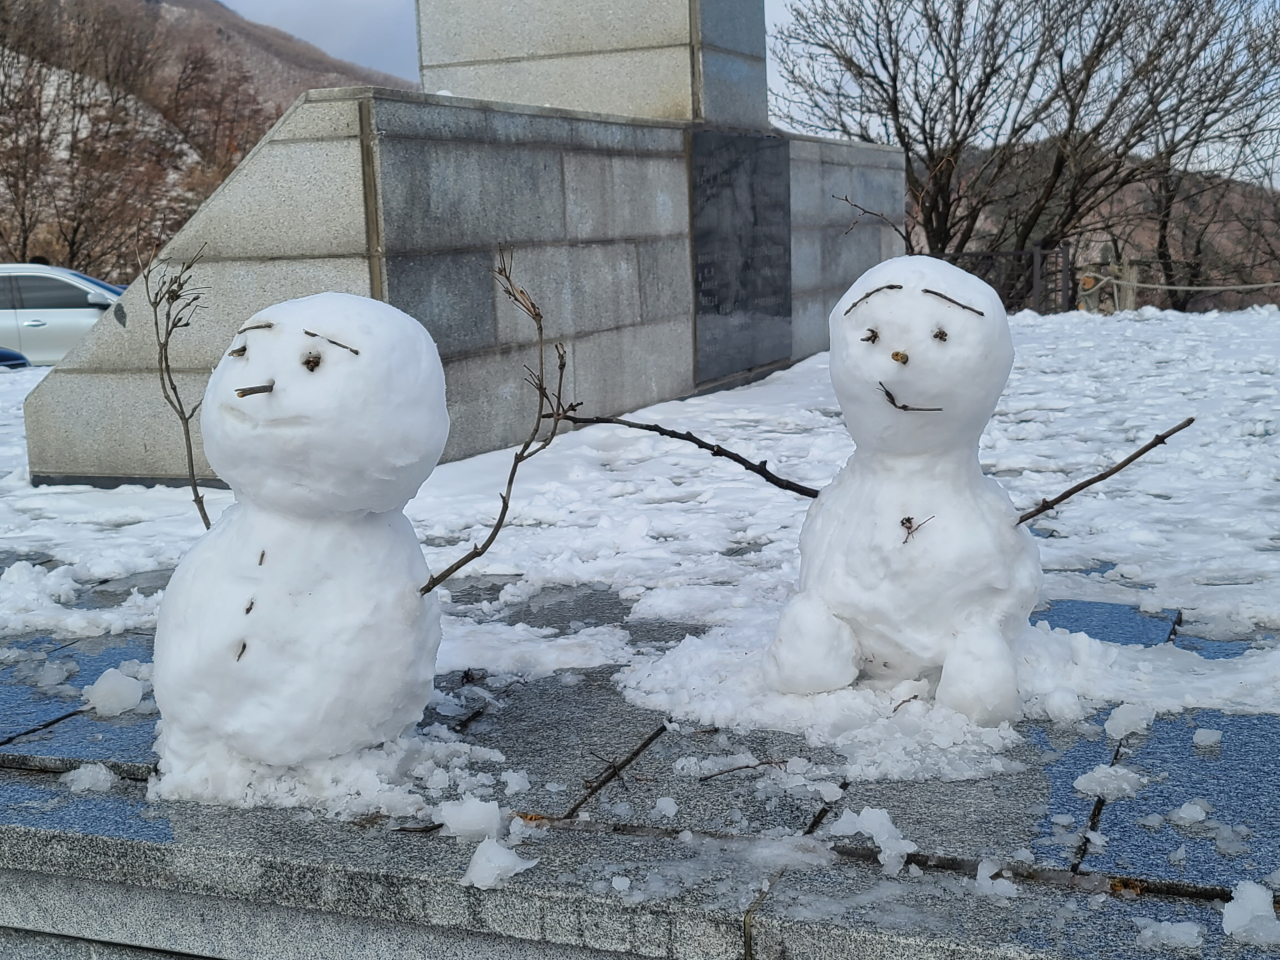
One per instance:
(1110, 782)
(1205, 737)
(1129, 718)
(1190, 812)
(492, 864)
(1154, 935)
(664, 807)
(90, 778)
(470, 818)
(517, 781)
(686, 836)
(991, 885)
(621, 884)
(1250, 916)
(113, 693)
(1179, 856)
(1063, 706)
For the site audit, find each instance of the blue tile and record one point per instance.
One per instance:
(1239, 780)
(42, 803)
(1213, 649)
(1111, 622)
(1057, 843)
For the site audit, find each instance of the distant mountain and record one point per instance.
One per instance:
(281, 65)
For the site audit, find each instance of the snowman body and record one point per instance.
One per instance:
(912, 561)
(295, 630)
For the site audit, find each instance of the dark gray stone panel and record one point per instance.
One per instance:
(741, 224)
(451, 294)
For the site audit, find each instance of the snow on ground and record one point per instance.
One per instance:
(688, 537)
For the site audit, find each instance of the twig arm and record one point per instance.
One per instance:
(758, 468)
(1047, 505)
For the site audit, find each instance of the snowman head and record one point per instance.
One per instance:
(328, 404)
(920, 351)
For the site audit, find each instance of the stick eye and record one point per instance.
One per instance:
(311, 361)
(940, 335)
(871, 337)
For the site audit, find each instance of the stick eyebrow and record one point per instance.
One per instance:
(962, 306)
(872, 293)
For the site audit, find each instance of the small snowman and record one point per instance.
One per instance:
(912, 562)
(295, 630)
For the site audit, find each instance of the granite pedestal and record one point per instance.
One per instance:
(731, 863)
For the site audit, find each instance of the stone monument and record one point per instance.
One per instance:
(675, 241)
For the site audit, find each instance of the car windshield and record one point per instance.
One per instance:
(111, 288)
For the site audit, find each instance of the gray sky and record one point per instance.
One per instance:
(381, 34)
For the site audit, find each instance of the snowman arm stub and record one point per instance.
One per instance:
(1047, 505)
(551, 406)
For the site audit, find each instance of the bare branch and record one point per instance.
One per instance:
(173, 304)
(1046, 505)
(551, 406)
(759, 469)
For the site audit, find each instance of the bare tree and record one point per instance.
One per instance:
(1022, 121)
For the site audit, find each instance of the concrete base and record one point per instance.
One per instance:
(114, 877)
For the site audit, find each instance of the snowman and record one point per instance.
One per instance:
(912, 563)
(295, 631)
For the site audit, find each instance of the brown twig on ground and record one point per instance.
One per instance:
(746, 766)
(1047, 505)
(759, 469)
(167, 292)
(551, 406)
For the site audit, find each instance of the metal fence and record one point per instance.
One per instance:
(1038, 279)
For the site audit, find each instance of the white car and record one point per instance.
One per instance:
(45, 310)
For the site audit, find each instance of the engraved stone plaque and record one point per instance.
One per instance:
(741, 195)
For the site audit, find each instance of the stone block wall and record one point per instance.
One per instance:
(406, 197)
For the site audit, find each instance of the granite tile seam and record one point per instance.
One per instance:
(44, 726)
(36, 763)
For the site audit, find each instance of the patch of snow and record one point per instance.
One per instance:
(90, 778)
(1250, 916)
(470, 818)
(492, 865)
(1205, 737)
(1158, 935)
(1110, 782)
(876, 824)
(113, 693)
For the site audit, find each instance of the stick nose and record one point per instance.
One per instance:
(900, 357)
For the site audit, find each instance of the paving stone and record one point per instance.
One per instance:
(1236, 778)
(1112, 622)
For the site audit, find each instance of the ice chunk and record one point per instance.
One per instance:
(621, 884)
(492, 864)
(90, 778)
(665, 807)
(1110, 782)
(992, 885)
(1207, 738)
(1152, 821)
(1129, 718)
(1179, 856)
(470, 818)
(1251, 916)
(517, 781)
(1153, 935)
(877, 825)
(1187, 814)
(113, 693)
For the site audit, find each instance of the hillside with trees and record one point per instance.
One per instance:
(119, 117)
